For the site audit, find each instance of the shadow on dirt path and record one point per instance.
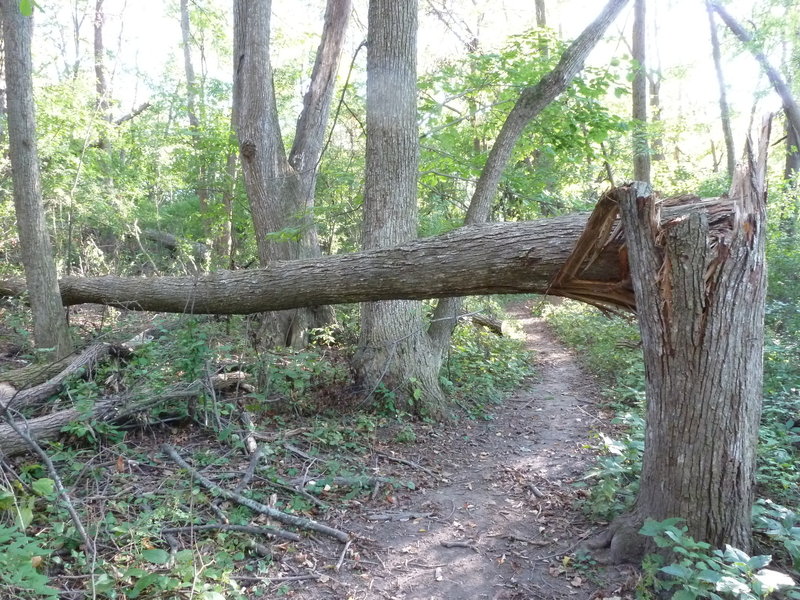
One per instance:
(496, 515)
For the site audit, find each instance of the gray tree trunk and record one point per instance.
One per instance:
(724, 108)
(641, 148)
(49, 321)
(532, 101)
(700, 285)
(201, 188)
(496, 258)
(280, 189)
(393, 359)
(790, 107)
(100, 76)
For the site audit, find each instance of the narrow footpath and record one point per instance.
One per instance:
(496, 518)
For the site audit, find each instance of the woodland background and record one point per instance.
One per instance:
(140, 176)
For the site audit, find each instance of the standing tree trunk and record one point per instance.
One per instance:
(700, 285)
(394, 351)
(100, 76)
(49, 321)
(790, 107)
(281, 190)
(641, 150)
(201, 187)
(532, 101)
(724, 108)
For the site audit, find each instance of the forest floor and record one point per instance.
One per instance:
(495, 513)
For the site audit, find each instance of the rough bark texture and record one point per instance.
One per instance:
(393, 359)
(700, 289)
(532, 101)
(497, 258)
(49, 321)
(280, 190)
(641, 150)
(724, 108)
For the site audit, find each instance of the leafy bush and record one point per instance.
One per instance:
(697, 571)
(481, 366)
(19, 577)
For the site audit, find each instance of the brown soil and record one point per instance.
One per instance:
(496, 516)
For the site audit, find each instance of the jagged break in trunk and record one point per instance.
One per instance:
(699, 283)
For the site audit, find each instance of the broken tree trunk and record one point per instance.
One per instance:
(498, 258)
(700, 290)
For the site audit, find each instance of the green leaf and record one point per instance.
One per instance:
(104, 583)
(24, 516)
(759, 562)
(735, 555)
(678, 571)
(144, 583)
(156, 556)
(44, 486)
(26, 7)
(732, 585)
(684, 595)
(212, 596)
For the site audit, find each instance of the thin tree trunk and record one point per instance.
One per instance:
(790, 106)
(700, 287)
(50, 329)
(393, 362)
(281, 190)
(100, 78)
(641, 150)
(531, 102)
(724, 108)
(201, 187)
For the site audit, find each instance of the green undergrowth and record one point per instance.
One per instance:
(609, 348)
(317, 437)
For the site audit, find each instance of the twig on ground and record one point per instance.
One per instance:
(342, 555)
(399, 516)
(277, 579)
(51, 470)
(282, 517)
(267, 531)
(457, 544)
(255, 457)
(300, 453)
(406, 462)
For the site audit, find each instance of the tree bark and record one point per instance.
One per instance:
(532, 101)
(496, 258)
(281, 190)
(50, 329)
(201, 189)
(700, 287)
(724, 108)
(641, 149)
(100, 77)
(394, 352)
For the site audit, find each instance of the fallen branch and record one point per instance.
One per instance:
(404, 461)
(30, 442)
(11, 396)
(363, 481)
(266, 531)
(110, 409)
(399, 516)
(273, 513)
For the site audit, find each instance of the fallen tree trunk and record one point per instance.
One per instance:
(498, 258)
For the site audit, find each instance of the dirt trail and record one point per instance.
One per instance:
(497, 517)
